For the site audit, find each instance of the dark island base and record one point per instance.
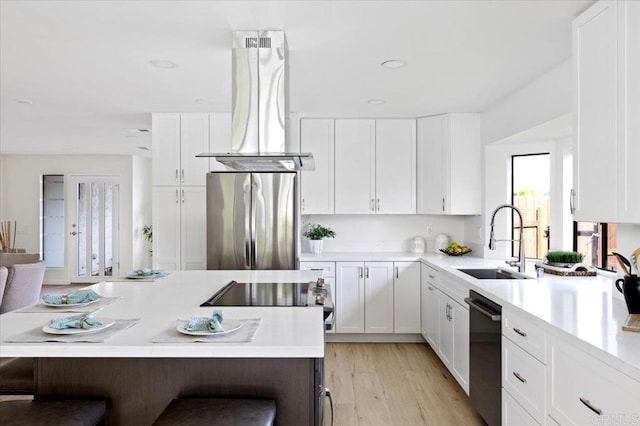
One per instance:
(139, 389)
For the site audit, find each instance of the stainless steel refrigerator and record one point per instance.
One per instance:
(252, 220)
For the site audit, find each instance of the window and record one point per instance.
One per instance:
(531, 183)
(53, 220)
(596, 241)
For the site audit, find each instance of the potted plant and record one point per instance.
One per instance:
(563, 258)
(315, 234)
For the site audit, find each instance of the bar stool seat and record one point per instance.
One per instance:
(219, 412)
(45, 412)
(16, 376)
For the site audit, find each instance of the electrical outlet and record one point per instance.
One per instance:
(429, 231)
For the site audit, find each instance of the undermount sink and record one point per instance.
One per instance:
(493, 274)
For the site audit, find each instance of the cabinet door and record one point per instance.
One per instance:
(355, 166)
(462, 184)
(317, 186)
(595, 119)
(432, 316)
(193, 228)
(331, 283)
(166, 225)
(396, 166)
(629, 139)
(445, 344)
(165, 138)
(406, 297)
(432, 134)
(350, 292)
(460, 364)
(194, 140)
(219, 138)
(378, 291)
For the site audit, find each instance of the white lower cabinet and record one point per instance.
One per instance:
(406, 297)
(429, 306)
(377, 297)
(453, 334)
(179, 218)
(523, 376)
(586, 391)
(513, 414)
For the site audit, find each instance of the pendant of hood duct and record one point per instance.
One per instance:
(260, 106)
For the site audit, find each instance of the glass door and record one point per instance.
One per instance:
(93, 227)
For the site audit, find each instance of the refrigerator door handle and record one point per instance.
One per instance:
(247, 228)
(254, 207)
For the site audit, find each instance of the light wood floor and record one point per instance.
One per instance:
(400, 384)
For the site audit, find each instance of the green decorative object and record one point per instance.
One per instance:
(564, 257)
(319, 232)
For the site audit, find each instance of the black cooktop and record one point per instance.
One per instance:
(260, 294)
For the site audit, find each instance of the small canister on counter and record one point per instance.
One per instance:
(417, 245)
(442, 242)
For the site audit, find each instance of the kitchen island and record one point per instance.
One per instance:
(140, 377)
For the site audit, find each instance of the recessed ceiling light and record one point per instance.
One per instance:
(394, 64)
(24, 101)
(376, 101)
(162, 63)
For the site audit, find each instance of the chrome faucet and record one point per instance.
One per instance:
(492, 241)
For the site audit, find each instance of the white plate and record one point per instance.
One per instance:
(106, 323)
(229, 327)
(132, 275)
(70, 305)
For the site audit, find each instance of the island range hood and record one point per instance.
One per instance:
(260, 86)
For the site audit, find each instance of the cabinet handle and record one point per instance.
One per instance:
(430, 288)
(182, 175)
(183, 195)
(367, 271)
(447, 313)
(519, 377)
(378, 204)
(176, 175)
(317, 269)
(443, 204)
(397, 273)
(303, 204)
(450, 312)
(360, 270)
(591, 407)
(432, 277)
(572, 200)
(372, 206)
(177, 197)
(520, 332)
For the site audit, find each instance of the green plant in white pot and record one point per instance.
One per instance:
(315, 234)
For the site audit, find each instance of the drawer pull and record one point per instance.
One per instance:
(591, 407)
(432, 277)
(520, 332)
(317, 269)
(430, 288)
(519, 377)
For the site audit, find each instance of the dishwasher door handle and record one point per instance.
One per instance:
(494, 316)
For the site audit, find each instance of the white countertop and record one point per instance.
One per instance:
(289, 332)
(578, 308)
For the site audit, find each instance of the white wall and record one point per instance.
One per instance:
(542, 100)
(382, 233)
(20, 177)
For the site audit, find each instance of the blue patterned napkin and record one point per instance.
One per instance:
(76, 296)
(77, 321)
(213, 324)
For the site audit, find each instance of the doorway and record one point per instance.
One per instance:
(93, 223)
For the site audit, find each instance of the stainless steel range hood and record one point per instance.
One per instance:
(260, 110)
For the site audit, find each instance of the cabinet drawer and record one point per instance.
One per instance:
(454, 287)
(584, 390)
(430, 274)
(523, 377)
(513, 413)
(523, 333)
(328, 268)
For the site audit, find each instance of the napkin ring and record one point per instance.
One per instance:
(64, 299)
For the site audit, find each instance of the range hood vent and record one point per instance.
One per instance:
(260, 105)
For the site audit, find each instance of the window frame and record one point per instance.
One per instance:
(604, 246)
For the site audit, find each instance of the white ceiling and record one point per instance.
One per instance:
(85, 64)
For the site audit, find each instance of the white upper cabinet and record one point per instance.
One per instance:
(595, 102)
(355, 166)
(606, 63)
(219, 138)
(177, 139)
(449, 176)
(317, 187)
(395, 166)
(629, 113)
(375, 166)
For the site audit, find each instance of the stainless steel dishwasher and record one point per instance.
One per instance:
(485, 357)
